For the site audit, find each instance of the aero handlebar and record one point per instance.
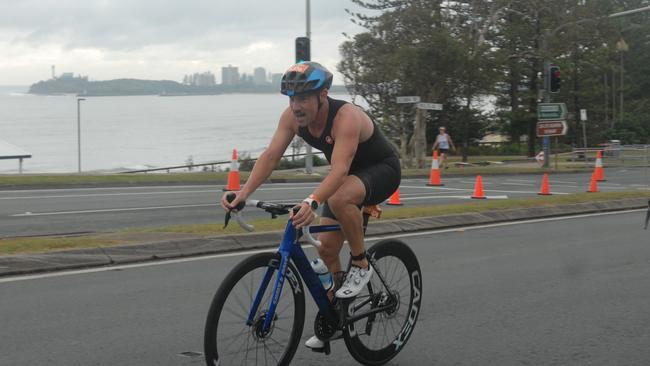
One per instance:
(275, 209)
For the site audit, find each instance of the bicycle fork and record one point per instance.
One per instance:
(281, 268)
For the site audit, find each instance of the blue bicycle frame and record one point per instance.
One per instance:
(290, 249)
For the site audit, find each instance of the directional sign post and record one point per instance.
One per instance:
(408, 99)
(430, 106)
(551, 128)
(546, 129)
(551, 119)
(551, 111)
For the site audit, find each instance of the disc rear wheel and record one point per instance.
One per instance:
(376, 339)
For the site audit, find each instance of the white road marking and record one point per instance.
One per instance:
(110, 210)
(109, 194)
(215, 190)
(421, 193)
(484, 190)
(517, 184)
(460, 197)
(519, 180)
(249, 252)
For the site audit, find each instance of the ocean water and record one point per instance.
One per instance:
(135, 132)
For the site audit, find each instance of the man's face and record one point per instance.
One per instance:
(304, 108)
(442, 130)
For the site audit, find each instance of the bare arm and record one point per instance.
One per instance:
(267, 161)
(435, 144)
(451, 143)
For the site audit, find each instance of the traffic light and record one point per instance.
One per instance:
(555, 79)
(302, 49)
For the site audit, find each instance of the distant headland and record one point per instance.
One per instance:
(82, 87)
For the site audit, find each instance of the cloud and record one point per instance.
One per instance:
(164, 38)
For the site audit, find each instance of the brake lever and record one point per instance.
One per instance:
(226, 219)
(230, 197)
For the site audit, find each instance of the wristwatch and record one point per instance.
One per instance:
(312, 202)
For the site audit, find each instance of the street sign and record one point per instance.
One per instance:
(551, 128)
(583, 114)
(408, 99)
(431, 106)
(551, 111)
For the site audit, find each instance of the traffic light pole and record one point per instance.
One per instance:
(547, 84)
(309, 157)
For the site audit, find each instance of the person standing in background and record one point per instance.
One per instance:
(443, 142)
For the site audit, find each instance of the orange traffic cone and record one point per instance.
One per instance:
(233, 176)
(593, 187)
(478, 188)
(434, 178)
(545, 191)
(599, 171)
(394, 199)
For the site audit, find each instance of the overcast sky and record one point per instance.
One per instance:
(162, 39)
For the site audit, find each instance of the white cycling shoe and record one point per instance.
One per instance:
(316, 343)
(355, 281)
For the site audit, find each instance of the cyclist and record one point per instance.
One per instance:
(365, 169)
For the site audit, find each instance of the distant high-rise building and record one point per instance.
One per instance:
(230, 75)
(67, 76)
(203, 79)
(53, 72)
(276, 79)
(259, 76)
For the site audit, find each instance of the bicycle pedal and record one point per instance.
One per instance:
(325, 349)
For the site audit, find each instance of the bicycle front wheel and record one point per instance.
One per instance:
(377, 338)
(229, 340)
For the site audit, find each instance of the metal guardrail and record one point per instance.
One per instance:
(209, 164)
(616, 155)
(624, 155)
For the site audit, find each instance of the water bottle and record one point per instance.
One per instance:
(323, 273)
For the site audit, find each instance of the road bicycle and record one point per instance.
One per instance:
(252, 321)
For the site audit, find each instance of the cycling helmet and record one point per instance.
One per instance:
(305, 77)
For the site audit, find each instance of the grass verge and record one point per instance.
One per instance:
(133, 236)
(220, 178)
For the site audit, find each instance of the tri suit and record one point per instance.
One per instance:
(375, 163)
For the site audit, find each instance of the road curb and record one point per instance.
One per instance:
(107, 256)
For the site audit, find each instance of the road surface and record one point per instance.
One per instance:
(61, 211)
(566, 291)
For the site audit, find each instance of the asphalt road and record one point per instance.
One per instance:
(59, 211)
(569, 291)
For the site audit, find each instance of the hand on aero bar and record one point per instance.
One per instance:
(304, 217)
(231, 204)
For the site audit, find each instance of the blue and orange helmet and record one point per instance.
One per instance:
(305, 77)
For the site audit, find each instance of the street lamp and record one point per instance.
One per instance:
(79, 100)
(621, 47)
